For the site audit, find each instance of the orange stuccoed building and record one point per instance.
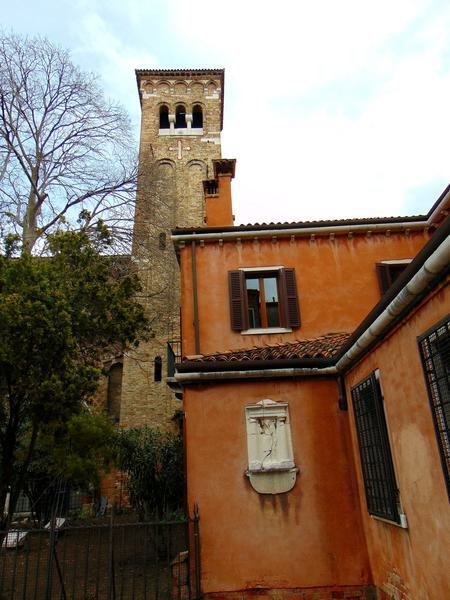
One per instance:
(315, 382)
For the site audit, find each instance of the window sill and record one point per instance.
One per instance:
(402, 525)
(184, 131)
(266, 330)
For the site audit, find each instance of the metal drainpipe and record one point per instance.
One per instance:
(195, 298)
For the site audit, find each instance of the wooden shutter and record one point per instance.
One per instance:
(289, 297)
(384, 277)
(238, 300)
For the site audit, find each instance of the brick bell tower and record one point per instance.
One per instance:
(181, 122)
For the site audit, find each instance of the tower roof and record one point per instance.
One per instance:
(181, 72)
(185, 74)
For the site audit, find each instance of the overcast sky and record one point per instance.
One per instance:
(332, 108)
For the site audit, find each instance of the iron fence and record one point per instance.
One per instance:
(108, 561)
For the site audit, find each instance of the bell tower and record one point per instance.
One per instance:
(181, 123)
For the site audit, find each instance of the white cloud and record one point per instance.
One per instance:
(331, 108)
(329, 160)
(115, 57)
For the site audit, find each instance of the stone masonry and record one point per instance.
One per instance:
(173, 162)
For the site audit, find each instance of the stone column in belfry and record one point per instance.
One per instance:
(182, 115)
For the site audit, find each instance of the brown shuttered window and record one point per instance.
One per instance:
(387, 273)
(263, 299)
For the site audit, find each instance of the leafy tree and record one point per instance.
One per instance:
(71, 455)
(153, 462)
(63, 147)
(59, 316)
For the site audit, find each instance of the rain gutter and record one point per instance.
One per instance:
(197, 377)
(266, 233)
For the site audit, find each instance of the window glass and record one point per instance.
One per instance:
(262, 300)
(254, 304)
(271, 294)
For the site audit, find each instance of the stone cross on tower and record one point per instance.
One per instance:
(179, 148)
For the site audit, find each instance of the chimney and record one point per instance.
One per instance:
(217, 193)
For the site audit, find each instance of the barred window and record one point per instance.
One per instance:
(435, 351)
(376, 459)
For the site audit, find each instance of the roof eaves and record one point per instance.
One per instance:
(299, 225)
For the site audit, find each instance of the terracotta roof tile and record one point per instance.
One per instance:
(325, 346)
(257, 227)
(344, 220)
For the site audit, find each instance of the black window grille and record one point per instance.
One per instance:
(435, 351)
(376, 459)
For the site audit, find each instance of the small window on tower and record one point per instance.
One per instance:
(158, 368)
(114, 392)
(180, 117)
(197, 117)
(162, 241)
(164, 117)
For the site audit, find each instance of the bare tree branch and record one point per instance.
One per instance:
(64, 148)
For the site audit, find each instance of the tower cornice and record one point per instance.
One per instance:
(185, 74)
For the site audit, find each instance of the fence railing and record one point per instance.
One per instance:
(108, 561)
(173, 356)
